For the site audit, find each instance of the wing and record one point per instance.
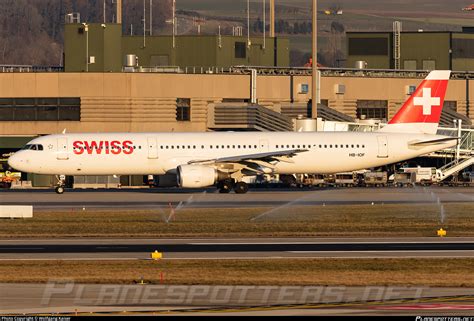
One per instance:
(256, 163)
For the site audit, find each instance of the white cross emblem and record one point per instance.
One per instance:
(427, 101)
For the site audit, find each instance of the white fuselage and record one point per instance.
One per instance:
(162, 153)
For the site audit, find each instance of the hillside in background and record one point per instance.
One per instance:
(31, 31)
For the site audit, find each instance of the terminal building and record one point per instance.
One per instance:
(214, 83)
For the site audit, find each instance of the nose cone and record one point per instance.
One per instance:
(16, 161)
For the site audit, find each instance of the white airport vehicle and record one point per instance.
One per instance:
(424, 175)
(223, 159)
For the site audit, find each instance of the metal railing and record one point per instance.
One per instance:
(30, 68)
(261, 70)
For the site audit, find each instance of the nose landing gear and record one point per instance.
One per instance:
(61, 184)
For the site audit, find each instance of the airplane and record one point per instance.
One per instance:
(224, 159)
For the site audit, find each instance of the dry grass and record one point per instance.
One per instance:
(348, 272)
(354, 220)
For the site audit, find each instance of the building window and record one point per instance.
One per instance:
(372, 109)
(240, 50)
(450, 104)
(368, 46)
(183, 109)
(40, 109)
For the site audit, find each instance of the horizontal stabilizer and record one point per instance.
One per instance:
(433, 141)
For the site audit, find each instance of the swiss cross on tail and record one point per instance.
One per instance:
(422, 111)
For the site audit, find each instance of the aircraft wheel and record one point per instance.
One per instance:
(241, 188)
(59, 190)
(225, 186)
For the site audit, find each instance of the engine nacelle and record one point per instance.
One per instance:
(196, 176)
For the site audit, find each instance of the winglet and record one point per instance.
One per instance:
(64, 131)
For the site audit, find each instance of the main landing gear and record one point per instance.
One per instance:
(61, 184)
(226, 186)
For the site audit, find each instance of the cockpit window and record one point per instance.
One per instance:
(33, 147)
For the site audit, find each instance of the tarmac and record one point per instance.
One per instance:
(133, 249)
(210, 198)
(67, 297)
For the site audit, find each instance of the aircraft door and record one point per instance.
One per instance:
(263, 145)
(62, 151)
(382, 147)
(152, 148)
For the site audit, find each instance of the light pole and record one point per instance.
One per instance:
(314, 82)
(248, 23)
(264, 23)
(86, 30)
(174, 23)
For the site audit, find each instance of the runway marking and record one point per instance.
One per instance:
(381, 251)
(432, 241)
(425, 307)
(23, 248)
(111, 247)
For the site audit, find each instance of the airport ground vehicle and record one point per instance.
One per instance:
(375, 179)
(402, 179)
(7, 178)
(424, 175)
(346, 179)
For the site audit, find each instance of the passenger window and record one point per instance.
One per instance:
(352, 146)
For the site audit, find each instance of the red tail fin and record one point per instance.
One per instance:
(422, 111)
